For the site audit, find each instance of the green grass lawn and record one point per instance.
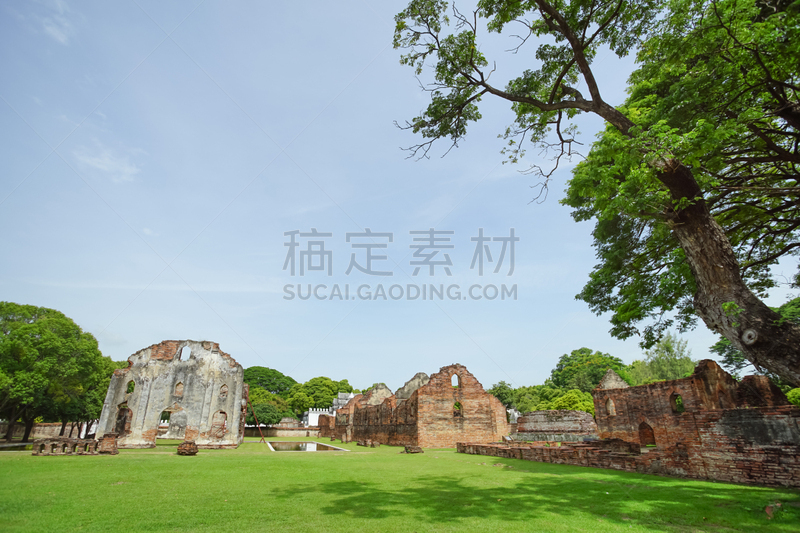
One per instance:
(363, 490)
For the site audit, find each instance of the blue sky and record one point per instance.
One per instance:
(154, 155)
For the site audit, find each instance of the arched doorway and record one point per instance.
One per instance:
(122, 427)
(646, 435)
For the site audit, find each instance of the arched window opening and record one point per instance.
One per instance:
(131, 387)
(457, 410)
(612, 411)
(676, 402)
(185, 352)
(218, 424)
(223, 392)
(179, 389)
(646, 435)
(455, 381)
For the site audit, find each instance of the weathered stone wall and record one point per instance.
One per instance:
(435, 413)
(405, 392)
(203, 392)
(754, 446)
(556, 425)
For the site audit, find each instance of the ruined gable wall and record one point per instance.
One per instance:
(405, 392)
(196, 391)
(482, 417)
(709, 388)
(429, 411)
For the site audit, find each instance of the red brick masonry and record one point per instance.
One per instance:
(706, 426)
(451, 406)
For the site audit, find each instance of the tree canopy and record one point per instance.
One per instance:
(668, 359)
(268, 379)
(503, 392)
(316, 393)
(583, 369)
(692, 185)
(49, 367)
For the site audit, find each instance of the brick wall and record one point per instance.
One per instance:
(41, 430)
(556, 425)
(429, 417)
(719, 430)
(726, 450)
(482, 417)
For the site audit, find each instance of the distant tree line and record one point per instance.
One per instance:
(275, 395)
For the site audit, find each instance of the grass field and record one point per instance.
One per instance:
(363, 490)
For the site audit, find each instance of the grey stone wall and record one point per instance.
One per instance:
(201, 388)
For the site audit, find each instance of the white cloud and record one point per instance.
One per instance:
(119, 168)
(56, 20)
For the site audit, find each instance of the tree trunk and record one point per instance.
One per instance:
(63, 427)
(71, 429)
(10, 432)
(12, 421)
(722, 299)
(28, 428)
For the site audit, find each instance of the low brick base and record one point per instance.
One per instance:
(64, 446)
(770, 466)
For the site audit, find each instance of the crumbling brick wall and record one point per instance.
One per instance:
(556, 425)
(755, 446)
(720, 430)
(430, 412)
(203, 392)
(482, 417)
(631, 413)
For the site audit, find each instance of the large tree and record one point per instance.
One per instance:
(734, 361)
(693, 184)
(49, 367)
(269, 379)
(668, 359)
(317, 392)
(583, 369)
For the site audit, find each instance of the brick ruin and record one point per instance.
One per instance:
(429, 412)
(706, 426)
(69, 446)
(199, 385)
(65, 446)
(556, 426)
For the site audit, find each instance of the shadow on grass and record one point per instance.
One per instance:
(579, 496)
